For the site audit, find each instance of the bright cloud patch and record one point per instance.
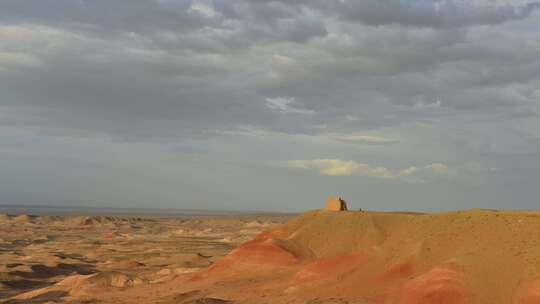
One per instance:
(337, 167)
(9, 59)
(286, 105)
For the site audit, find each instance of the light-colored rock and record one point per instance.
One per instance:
(336, 204)
(23, 218)
(164, 272)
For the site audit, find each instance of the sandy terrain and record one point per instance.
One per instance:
(72, 259)
(476, 256)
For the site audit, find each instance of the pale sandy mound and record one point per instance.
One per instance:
(477, 256)
(24, 218)
(49, 219)
(110, 279)
(98, 220)
(82, 286)
(257, 224)
(81, 221)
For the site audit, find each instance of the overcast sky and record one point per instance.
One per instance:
(270, 105)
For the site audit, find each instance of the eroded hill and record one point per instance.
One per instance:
(476, 256)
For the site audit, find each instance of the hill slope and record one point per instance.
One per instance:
(343, 257)
(476, 256)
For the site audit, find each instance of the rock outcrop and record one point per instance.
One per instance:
(336, 204)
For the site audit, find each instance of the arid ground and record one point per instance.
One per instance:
(321, 256)
(110, 253)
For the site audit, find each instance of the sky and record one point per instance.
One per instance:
(425, 105)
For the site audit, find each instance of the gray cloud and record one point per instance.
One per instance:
(429, 13)
(386, 81)
(423, 13)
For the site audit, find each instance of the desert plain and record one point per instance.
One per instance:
(80, 259)
(321, 256)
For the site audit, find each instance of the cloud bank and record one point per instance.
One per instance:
(337, 167)
(207, 92)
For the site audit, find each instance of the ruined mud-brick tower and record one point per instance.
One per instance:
(336, 204)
